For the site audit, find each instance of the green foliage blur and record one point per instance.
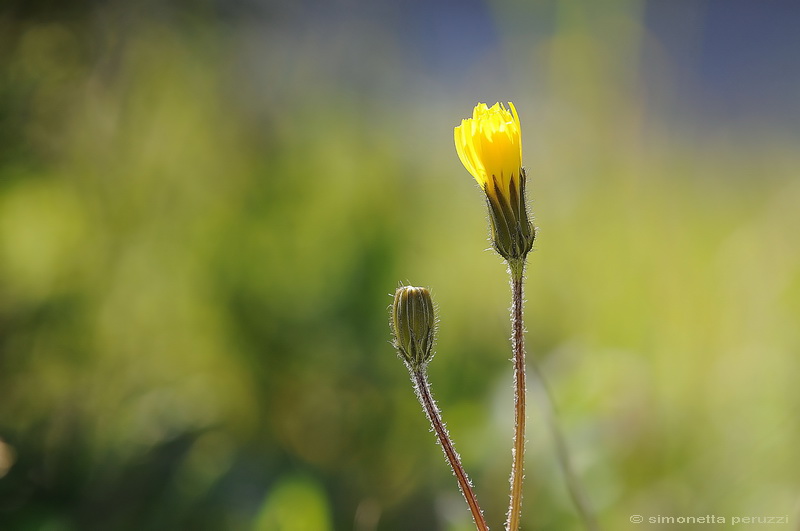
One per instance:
(203, 214)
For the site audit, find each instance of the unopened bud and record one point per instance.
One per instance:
(413, 324)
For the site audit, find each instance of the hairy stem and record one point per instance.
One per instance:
(518, 345)
(425, 397)
(574, 486)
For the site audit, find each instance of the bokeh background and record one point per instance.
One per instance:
(205, 205)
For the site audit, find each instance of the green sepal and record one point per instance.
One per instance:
(512, 232)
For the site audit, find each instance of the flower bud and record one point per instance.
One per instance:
(413, 325)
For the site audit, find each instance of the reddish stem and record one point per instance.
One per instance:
(425, 397)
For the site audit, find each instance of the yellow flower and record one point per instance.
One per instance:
(490, 146)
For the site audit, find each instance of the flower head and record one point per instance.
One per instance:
(490, 146)
(413, 325)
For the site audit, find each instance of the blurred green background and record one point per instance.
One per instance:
(204, 206)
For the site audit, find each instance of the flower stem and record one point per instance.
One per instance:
(517, 269)
(574, 486)
(425, 397)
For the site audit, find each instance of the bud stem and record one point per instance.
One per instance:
(426, 399)
(517, 270)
